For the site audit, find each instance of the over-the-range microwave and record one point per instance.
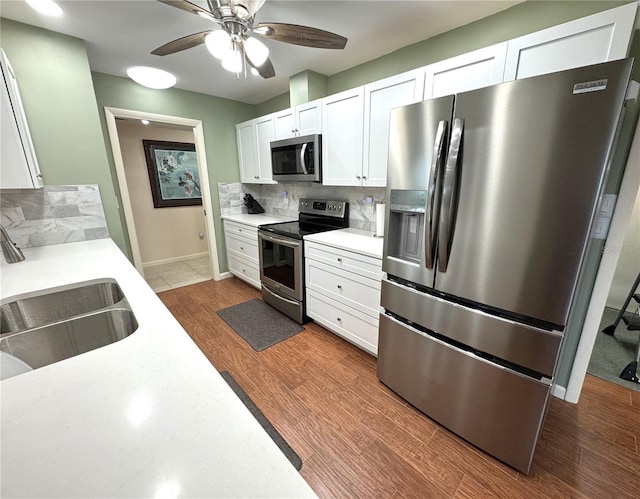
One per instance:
(297, 159)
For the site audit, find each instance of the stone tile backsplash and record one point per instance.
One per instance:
(362, 213)
(55, 214)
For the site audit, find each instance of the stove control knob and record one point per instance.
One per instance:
(339, 208)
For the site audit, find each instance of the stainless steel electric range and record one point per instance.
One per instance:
(282, 253)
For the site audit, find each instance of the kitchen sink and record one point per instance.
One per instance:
(58, 304)
(57, 324)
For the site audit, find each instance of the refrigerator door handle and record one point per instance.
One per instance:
(433, 197)
(449, 194)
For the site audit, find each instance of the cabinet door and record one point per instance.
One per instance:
(284, 124)
(469, 71)
(265, 133)
(248, 152)
(308, 118)
(342, 137)
(379, 98)
(597, 38)
(18, 162)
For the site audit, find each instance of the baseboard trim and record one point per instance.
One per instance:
(225, 275)
(173, 260)
(559, 391)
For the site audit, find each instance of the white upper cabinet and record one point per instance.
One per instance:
(304, 119)
(379, 98)
(265, 134)
(598, 38)
(308, 118)
(254, 150)
(343, 137)
(19, 167)
(469, 71)
(285, 124)
(247, 151)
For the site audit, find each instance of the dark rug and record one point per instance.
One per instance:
(611, 354)
(264, 422)
(259, 324)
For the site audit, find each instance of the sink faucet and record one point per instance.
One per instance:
(11, 252)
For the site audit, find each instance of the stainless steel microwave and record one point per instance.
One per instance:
(298, 159)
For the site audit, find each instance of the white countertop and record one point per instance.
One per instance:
(356, 240)
(148, 416)
(258, 219)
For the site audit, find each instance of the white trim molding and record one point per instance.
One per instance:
(198, 132)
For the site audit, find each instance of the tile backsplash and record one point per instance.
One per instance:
(282, 199)
(54, 214)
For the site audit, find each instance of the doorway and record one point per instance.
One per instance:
(199, 259)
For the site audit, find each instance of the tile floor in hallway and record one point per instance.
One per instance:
(176, 274)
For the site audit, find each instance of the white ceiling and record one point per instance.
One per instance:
(120, 34)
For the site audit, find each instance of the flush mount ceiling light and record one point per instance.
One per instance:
(233, 45)
(151, 77)
(46, 7)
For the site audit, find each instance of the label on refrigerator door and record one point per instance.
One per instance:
(590, 86)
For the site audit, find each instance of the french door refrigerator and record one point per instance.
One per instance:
(491, 198)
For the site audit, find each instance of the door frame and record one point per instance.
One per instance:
(111, 114)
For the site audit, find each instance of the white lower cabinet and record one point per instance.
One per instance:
(343, 293)
(242, 251)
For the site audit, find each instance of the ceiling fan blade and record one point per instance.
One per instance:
(184, 43)
(266, 69)
(189, 7)
(300, 35)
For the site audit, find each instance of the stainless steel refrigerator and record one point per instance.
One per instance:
(491, 199)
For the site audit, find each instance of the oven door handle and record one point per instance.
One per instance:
(278, 240)
(279, 297)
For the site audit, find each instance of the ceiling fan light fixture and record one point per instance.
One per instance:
(46, 7)
(218, 43)
(256, 51)
(151, 77)
(233, 61)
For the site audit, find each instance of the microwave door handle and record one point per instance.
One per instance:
(303, 163)
(449, 195)
(433, 197)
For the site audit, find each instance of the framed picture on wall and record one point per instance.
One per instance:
(173, 173)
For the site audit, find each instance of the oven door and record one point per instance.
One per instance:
(281, 264)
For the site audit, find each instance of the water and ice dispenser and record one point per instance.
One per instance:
(405, 233)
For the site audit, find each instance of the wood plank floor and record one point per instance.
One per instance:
(358, 439)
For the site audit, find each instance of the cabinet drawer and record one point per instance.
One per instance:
(353, 262)
(354, 326)
(241, 246)
(352, 289)
(241, 230)
(246, 271)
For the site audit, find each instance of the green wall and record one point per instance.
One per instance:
(218, 117)
(516, 21)
(57, 92)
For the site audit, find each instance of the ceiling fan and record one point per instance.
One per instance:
(233, 43)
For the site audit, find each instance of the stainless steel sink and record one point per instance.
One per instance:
(54, 325)
(58, 304)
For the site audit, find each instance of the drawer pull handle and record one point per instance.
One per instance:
(339, 259)
(339, 286)
(241, 247)
(339, 319)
